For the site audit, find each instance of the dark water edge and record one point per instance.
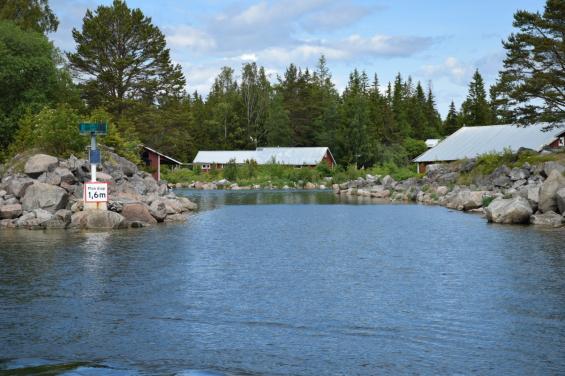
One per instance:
(286, 283)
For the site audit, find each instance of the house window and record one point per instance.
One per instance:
(561, 141)
(206, 166)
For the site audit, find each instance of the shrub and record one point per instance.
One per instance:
(250, 169)
(414, 147)
(230, 170)
(324, 169)
(53, 131)
(178, 175)
(487, 200)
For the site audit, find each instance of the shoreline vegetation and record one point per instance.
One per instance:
(512, 188)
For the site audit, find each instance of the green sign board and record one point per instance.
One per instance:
(96, 128)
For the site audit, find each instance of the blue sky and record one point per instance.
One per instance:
(440, 42)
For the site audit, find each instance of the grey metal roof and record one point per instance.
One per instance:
(298, 156)
(469, 142)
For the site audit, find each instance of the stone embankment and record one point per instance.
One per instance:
(45, 192)
(227, 185)
(529, 194)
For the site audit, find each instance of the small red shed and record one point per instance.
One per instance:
(155, 159)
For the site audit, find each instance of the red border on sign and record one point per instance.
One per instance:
(92, 182)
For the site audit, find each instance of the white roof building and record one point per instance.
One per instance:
(294, 156)
(470, 142)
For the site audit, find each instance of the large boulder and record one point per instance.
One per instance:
(104, 177)
(560, 197)
(388, 182)
(501, 177)
(97, 219)
(513, 210)
(44, 196)
(549, 167)
(467, 200)
(519, 174)
(40, 163)
(17, 185)
(548, 192)
(533, 195)
(158, 210)
(186, 204)
(138, 184)
(137, 212)
(49, 178)
(113, 162)
(309, 185)
(10, 211)
(547, 219)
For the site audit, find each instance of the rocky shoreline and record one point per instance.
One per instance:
(227, 185)
(43, 192)
(525, 195)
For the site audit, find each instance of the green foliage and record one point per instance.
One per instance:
(487, 200)
(414, 147)
(452, 121)
(231, 170)
(487, 163)
(30, 15)
(533, 77)
(475, 110)
(178, 175)
(138, 66)
(29, 79)
(249, 170)
(398, 173)
(122, 137)
(323, 169)
(54, 131)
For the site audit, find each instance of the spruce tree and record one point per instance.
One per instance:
(475, 109)
(451, 123)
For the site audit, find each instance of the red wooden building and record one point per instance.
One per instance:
(154, 160)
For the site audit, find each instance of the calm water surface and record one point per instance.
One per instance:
(279, 283)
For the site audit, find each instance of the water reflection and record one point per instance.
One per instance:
(211, 199)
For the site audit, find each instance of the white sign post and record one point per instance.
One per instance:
(95, 195)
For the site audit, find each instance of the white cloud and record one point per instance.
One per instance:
(248, 57)
(451, 67)
(190, 37)
(386, 45)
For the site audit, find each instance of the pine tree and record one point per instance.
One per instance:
(533, 77)
(475, 109)
(123, 58)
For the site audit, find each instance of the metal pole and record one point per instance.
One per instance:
(93, 165)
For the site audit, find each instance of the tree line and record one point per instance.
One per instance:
(121, 72)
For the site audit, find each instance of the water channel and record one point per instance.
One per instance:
(286, 283)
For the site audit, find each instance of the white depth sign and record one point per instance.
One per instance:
(95, 192)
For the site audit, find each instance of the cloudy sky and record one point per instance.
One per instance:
(437, 41)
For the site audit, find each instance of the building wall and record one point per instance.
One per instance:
(328, 159)
(152, 161)
(558, 142)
